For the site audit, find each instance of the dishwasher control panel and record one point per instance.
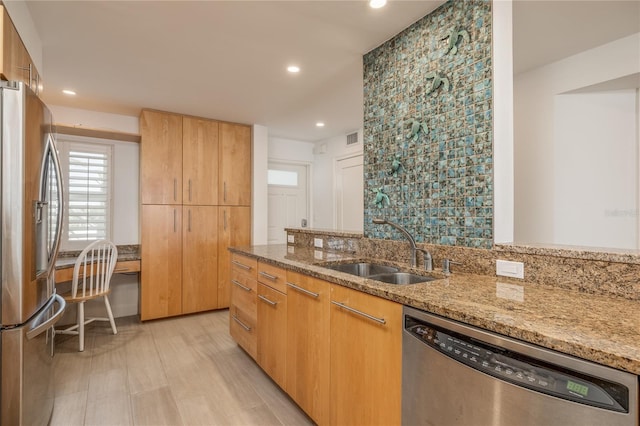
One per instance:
(520, 369)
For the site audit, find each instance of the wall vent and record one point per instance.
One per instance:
(352, 138)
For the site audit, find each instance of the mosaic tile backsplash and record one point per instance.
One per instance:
(428, 149)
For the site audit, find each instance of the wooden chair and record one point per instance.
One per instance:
(91, 277)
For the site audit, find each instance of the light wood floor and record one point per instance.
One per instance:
(182, 371)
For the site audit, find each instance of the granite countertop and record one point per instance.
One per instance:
(125, 253)
(601, 329)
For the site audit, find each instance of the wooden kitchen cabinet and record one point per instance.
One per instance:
(366, 359)
(16, 63)
(235, 165)
(308, 350)
(234, 229)
(200, 161)
(204, 167)
(272, 324)
(160, 158)
(199, 259)
(161, 261)
(272, 333)
(243, 311)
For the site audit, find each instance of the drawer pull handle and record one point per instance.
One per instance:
(245, 288)
(243, 266)
(355, 311)
(243, 325)
(272, 303)
(304, 290)
(267, 275)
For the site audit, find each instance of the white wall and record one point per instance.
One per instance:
(503, 182)
(126, 190)
(290, 150)
(259, 206)
(325, 154)
(536, 131)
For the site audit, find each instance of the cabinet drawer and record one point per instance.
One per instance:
(243, 265)
(242, 328)
(272, 276)
(243, 293)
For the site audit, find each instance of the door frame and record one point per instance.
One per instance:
(336, 160)
(309, 168)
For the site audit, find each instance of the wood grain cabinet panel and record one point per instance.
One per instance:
(234, 229)
(308, 351)
(160, 158)
(235, 165)
(199, 258)
(366, 359)
(199, 161)
(272, 333)
(16, 64)
(161, 261)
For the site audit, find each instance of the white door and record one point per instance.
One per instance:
(288, 200)
(349, 193)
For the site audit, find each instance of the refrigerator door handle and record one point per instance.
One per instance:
(48, 250)
(39, 327)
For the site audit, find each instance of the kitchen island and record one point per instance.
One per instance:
(602, 329)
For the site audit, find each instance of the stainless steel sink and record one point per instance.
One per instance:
(362, 269)
(401, 278)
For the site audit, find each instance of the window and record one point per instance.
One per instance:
(86, 171)
(282, 177)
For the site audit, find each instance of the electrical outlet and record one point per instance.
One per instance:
(508, 268)
(317, 242)
(291, 238)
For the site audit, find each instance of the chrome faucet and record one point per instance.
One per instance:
(414, 249)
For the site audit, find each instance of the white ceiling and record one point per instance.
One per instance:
(227, 59)
(219, 59)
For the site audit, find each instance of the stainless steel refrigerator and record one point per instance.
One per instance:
(31, 210)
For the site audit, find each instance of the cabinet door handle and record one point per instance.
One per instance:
(224, 214)
(189, 225)
(271, 302)
(243, 325)
(245, 288)
(175, 189)
(304, 290)
(269, 276)
(189, 189)
(355, 311)
(241, 265)
(224, 191)
(174, 221)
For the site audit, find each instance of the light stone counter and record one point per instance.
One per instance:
(601, 329)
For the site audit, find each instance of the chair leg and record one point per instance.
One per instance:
(81, 326)
(110, 314)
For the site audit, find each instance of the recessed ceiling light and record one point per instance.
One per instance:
(319, 124)
(68, 92)
(293, 69)
(377, 4)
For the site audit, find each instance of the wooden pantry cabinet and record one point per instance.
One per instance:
(16, 64)
(181, 160)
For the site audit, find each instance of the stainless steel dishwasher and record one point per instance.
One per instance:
(455, 374)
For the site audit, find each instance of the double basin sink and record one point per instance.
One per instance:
(384, 273)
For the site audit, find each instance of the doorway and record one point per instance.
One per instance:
(288, 199)
(349, 192)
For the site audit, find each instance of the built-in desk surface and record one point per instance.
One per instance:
(128, 261)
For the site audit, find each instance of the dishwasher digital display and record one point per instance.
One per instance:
(521, 370)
